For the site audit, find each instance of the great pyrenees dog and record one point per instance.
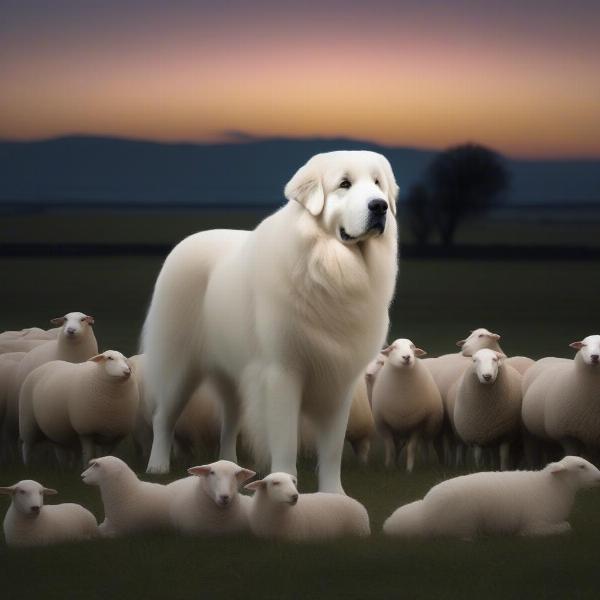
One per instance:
(282, 320)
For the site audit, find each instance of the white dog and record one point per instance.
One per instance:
(282, 319)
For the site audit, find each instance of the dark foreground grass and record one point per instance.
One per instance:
(538, 307)
(165, 566)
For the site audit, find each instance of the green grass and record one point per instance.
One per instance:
(538, 307)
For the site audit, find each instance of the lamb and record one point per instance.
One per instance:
(562, 401)
(278, 511)
(406, 401)
(29, 523)
(527, 503)
(130, 506)
(487, 404)
(95, 401)
(208, 503)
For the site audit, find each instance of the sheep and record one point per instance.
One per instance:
(561, 403)
(95, 401)
(208, 502)
(278, 511)
(75, 343)
(20, 345)
(406, 401)
(526, 503)
(487, 404)
(31, 333)
(28, 522)
(130, 505)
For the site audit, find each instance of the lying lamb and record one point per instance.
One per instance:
(208, 503)
(29, 523)
(497, 503)
(130, 505)
(278, 511)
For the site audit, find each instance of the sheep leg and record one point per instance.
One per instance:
(546, 528)
(459, 460)
(390, 448)
(331, 433)
(571, 447)
(505, 456)
(63, 457)
(88, 450)
(478, 456)
(411, 451)
(438, 447)
(361, 449)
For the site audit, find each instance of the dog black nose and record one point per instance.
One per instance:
(378, 206)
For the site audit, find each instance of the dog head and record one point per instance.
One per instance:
(351, 193)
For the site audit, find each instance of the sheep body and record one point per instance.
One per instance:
(497, 503)
(130, 505)
(488, 411)
(303, 517)
(63, 401)
(52, 524)
(406, 401)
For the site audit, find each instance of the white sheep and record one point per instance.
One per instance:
(31, 333)
(28, 522)
(278, 511)
(95, 401)
(406, 402)
(130, 505)
(561, 403)
(208, 502)
(20, 344)
(75, 343)
(524, 503)
(487, 404)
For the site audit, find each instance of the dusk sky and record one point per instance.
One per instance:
(520, 76)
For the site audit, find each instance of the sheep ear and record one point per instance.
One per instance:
(8, 491)
(420, 352)
(98, 358)
(200, 471)
(386, 351)
(244, 474)
(49, 492)
(577, 345)
(58, 321)
(556, 468)
(500, 355)
(461, 343)
(255, 485)
(495, 336)
(306, 188)
(89, 319)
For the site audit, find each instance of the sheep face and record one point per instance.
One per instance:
(478, 339)
(279, 487)
(114, 363)
(487, 362)
(73, 324)
(221, 480)
(28, 496)
(589, 349)
(101, 468)
(580, 472)
(402, 352)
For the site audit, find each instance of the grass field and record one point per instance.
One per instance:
(538, 307)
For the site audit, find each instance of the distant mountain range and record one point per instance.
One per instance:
(111, 171)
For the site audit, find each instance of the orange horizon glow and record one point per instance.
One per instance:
(521, 94)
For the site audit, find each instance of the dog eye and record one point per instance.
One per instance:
(345, 184)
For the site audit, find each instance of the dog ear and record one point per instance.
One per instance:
(306, 188)
(391, 185)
